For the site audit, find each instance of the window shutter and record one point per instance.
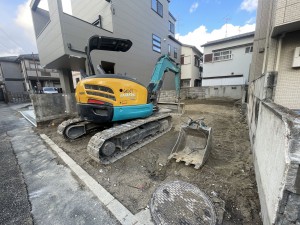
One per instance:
(208, 58)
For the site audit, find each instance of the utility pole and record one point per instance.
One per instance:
(37, 75)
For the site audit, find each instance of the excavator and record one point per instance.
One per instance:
(124, 110)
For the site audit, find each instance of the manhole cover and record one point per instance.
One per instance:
(181, 203)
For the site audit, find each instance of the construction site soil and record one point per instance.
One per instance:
(228, 173)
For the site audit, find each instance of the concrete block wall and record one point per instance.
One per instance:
(233, 92)
(275, 138)
(53, 106)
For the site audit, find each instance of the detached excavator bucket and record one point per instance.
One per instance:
(193, 144)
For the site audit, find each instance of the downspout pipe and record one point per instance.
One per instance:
(279, 51)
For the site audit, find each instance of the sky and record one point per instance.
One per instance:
(198, 21)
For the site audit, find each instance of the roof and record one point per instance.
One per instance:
(175, 40)
(19, 58)
(194, 48)
(228, 39)
(29, 56)
(8, 58)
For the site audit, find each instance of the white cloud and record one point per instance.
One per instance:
(249, 5)
(194, 6)
(24, 20)
(200, 35)
(19, 37)
(12, 52)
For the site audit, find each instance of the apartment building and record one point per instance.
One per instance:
(62, 36)
(23, 74)
(227, 61)
(191, 66)
(273, 110)
(35, 75)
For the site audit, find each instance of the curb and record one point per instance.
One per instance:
(122, 214)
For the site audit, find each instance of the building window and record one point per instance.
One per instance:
(98, 22)
(184, 60)
(222, 55)
(156, 43)
(208, 58)
(175, 53)
(171, 27)
(197, 83)
(196, 61)
(169, 50)
(32, 66)
(249, 49)
(185, 83)
(157, 7)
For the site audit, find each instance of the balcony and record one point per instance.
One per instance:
(61, 37)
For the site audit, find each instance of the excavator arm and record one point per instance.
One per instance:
(163, 65)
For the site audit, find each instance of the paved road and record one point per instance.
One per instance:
(50, 194)
(14, 207)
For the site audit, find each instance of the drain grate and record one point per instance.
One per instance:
(181, 203)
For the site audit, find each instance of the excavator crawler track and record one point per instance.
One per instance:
(76, 128)
(131, 132)
(62, 127)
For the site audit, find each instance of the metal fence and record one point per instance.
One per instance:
(18, 97)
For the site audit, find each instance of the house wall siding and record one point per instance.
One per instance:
(12, 76)
(189, 70)
(134, 20)
(238, 65)
(288, 81)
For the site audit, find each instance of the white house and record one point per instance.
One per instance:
(227, 61)
(191, 66)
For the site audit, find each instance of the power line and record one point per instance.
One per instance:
(5, 46)
(11, 39)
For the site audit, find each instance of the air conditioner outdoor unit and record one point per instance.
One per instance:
(296, 59)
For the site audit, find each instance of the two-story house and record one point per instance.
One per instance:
(227, 61)
(191, 66)
(11, 78)
(62, 36)
(35, 75)
(23, 74)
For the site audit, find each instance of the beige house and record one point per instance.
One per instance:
(63, 34)
(273, 110)
(191, 66)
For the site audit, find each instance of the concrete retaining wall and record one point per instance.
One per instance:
(233, 92)
(53, 106)
(275, 137)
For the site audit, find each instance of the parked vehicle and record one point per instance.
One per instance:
(50, 90)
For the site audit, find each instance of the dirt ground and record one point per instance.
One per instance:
(228, 173)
